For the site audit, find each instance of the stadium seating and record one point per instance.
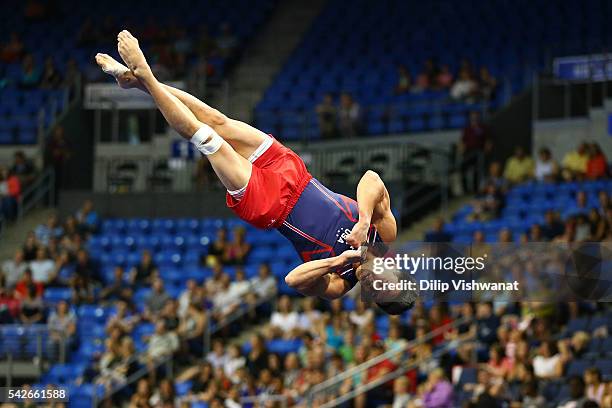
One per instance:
(357, 47)
(177, 245)
(57, 36)
(526, 205)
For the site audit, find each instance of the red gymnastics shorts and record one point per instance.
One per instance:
(277, 180)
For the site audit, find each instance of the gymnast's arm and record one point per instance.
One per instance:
(374, 208)
(318, 277)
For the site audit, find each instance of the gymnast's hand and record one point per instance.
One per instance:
(359, 234)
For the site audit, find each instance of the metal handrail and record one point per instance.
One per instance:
(35, 193)
(387, 377)
(338, 379)
(38, 330)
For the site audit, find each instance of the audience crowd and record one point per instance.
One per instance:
(346, 119)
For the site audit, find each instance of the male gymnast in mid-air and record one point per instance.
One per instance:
(269, 186)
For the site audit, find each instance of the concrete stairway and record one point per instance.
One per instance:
(14, 235)
(417, 231)
(265, 56)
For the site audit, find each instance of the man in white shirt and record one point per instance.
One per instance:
(285, 320)
(163, 342)
(13, 269)
(264, 284)
(43, 268)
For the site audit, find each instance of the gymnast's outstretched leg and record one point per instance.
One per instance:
(232, 169)
(243, 138)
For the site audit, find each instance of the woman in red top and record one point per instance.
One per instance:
(438, 319)
(597, 166)
(10, 190)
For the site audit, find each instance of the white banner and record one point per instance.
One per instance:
(110, 96)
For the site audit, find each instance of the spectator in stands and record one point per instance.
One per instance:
(227, 42)
(169, 314)
(327, 114)
(529, 396)
(156, 300)
(577, 396)
(51, 78)
(82, 290)
(257, 359)
(162, 343)
(12, 51)
(487, 84)
(552, 226)
(362, 314)
(57, 154)
(26, 283)
(217, 356)
(71, 75)
(547, 363)
(437, 233)
(546, 169)
(123, 318)
(349, 116)
(143, 273)
(597, 165)
(427, 77)
(475, 142)
(165, 395)
(217, 248)
(401, 393)
(499, 364)
(404, 80)
(30, 73)
(191, 294)
(444, 79)
(23, 168)
(204, 173)
(32, 307)
(495, 178)
(237, 251)
(519, 167)
(465, 87)
(285, 320)
(595, 387)
(575, 163)
(43, 268)
(488, 204)
(30, 247)
(225, 300)
(10, 191)
(86, 217)
(438, 391)
(234, 362)
(62, 328)
(126, 365)
(9, 306)
(214, 283)
(117, 288)
(487, 323)
(579, 207)
(142, 395)
(14, 269)
(51, 229)
(264, 284)
(438, 319)
(85, 268)
(191, 328)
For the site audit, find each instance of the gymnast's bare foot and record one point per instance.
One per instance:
(122, 74)
(132, 55)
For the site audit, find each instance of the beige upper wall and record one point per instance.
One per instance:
(561, 136)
